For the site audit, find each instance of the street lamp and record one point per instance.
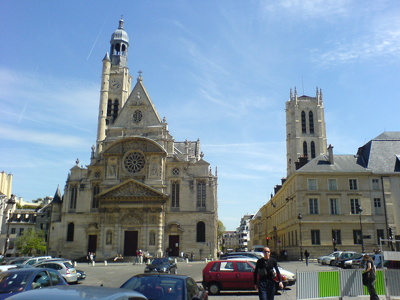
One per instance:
(300, 217)
(359, 211)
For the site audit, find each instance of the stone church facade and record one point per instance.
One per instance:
(142, 189)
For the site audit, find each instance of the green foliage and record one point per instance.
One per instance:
(30, 241)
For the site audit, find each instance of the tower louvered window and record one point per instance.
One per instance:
(303, 122)
(312, 150)
(305, 150)
(311, 121)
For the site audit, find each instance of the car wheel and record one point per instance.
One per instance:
(213, 288)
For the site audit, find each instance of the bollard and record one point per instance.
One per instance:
(93, 263)
(74, 263)
(105, 263)
(187, 260)
(175, 260)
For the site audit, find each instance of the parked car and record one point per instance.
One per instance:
(166, 286)
(81, 274)
(359, 263)
(76, 292)
(327, 259)
(18, 280)
(344, 255)
(65, 268)
(291, 277)
(230, 275)
(340, 262)
(17, 260)
(255, 255)
(162, 265)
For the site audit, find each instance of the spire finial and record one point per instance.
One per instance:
(121, 23)
(140, 78)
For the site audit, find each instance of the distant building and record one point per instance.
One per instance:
(244, 232)
(230, 241)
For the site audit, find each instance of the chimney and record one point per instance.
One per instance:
(330, 154)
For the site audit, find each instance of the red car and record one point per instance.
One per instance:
(230, 275)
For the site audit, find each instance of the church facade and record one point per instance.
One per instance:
(142, 190)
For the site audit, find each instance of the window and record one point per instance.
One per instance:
(311, 121)
(70, 232)
(175, 194)
(152, 238)
(315, 239)
(201, 194)
(12, 230)
(21, 230)
(73, 196)
(312, 184)
(201, 232)
(313, 203)
(353, 185)
(353, 206)
(303, 122)
(380, 234)
(336, 237)
(312, 150)
(95, 201)
(305, 150)
(375, 184)
(378, 206)
(334, 206)
(332, 184)
(357, 237)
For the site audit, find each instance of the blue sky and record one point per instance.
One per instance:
(220, 71)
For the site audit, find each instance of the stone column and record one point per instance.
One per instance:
(160, 234)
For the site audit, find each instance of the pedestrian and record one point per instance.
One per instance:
(306, 255)
(265, 274)
(369, 277)
(88, 258)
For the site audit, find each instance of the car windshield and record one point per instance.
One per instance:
(156, 288)
(13, 282)
(160, 261)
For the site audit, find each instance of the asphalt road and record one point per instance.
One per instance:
(115, 274)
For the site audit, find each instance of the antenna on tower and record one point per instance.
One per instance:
(302, 84)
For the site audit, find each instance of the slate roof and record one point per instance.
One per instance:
(381, 154)
(341, 163)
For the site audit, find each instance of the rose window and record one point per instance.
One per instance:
(134, 162)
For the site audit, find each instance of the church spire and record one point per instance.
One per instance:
(119, 46)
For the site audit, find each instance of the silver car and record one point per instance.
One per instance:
(64, 267)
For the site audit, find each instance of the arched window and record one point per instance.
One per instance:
(73, 196)
(109, 111)
(201, 232)
(152, 238)
(312, 150)
(311, 121)
(303, 122)
(115, 109)
(95, 201)
(70, 232)
(109, 237)
(305, 150)
(175, 194)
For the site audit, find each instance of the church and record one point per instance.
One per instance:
(142, 189)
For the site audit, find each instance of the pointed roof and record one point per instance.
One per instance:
(57, 196)
(132, 190)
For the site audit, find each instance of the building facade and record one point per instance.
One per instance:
(327, 202)
(142, 189)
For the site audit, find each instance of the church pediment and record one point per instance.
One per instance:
(134, 143)
(132, 190)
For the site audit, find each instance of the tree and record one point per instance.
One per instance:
(31, 240)
(220, 232)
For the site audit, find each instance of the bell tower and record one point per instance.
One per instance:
(305, 129)
(115, 82)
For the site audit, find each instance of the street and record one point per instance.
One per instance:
(115, 274)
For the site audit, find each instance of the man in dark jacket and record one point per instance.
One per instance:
(265, 274)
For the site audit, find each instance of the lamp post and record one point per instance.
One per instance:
(300, 217)
(359, 211)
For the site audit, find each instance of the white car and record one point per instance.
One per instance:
(327, 259)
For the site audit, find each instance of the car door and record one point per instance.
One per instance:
(244, 273)
(227, 275)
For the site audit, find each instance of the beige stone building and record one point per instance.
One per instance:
(142, 189)
(327, 201)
